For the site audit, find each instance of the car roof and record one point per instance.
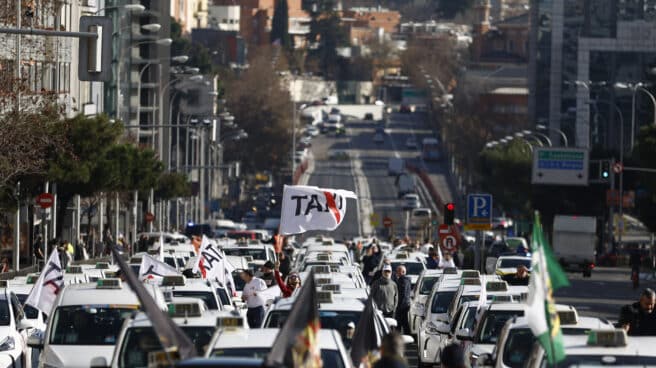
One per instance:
(584, 322)
(87, 293)
(514, 256)
(264, 337)
(635, 346)
(339, 303)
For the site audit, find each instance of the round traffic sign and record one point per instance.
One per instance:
(449, 243)
(618, 167)
(45, 200)
(149, 217)
(387, 222)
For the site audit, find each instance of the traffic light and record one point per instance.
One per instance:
(449, 213)
(605, 169)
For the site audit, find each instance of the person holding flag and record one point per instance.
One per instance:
(293, 282)
(546, 276)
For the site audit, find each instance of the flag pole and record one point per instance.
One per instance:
(547, 283)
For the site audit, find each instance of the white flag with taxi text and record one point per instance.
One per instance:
(212, 263)
(49, 284)
(153, 269)
(311, 208)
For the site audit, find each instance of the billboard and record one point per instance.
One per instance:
(560, 166)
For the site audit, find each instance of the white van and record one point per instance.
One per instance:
(574, 242)
(395, 166)
(419, 217)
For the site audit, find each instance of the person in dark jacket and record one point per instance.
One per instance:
(404, 286)
(391, 352)
(285, 263)
(453, 356)
(639, 318)
(370, 262)
(433, 261)
(521, 277)
(267, 274)
(385, 293)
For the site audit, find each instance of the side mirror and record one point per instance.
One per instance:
(24, 324)
(407, 339)
(485, 360)
(35, 340)
(391, 322)
(463, 334)
(99, 362)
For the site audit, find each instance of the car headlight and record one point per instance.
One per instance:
(7, 344)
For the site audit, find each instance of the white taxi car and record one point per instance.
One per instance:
(180, 286)
(85, 322)
(424, 285)
(256, 343)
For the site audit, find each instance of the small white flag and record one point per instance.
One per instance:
(49, 284)
(311, 208)
(211, 261)
(152, 268)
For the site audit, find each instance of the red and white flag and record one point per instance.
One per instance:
(212, 263)
(49, 284)
(311, 208)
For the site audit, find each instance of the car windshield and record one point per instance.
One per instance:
(30, 311)
(88, 324)
(492, 325)
(5, 316)
(514, 262)
(427, 284)
(332, 320)
(139, 341)
(441, 301)
(412, 268)
(329, 358)
(518, 347)
(420, 213)
(170, 261)
(257, 254)
(223, 295)
(207, 296)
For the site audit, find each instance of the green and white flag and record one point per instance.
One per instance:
(546, 276)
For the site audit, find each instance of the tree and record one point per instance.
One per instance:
(280, 25)
(262, 107)
(199, 55)
(328, 32)
(450, 8)
(172, 185)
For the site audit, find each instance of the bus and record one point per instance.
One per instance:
(430, 149)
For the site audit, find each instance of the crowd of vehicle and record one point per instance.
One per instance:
(418, 291)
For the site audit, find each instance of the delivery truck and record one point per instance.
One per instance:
(575, 241)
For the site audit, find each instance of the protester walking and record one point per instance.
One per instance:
(404, 287)
(385, 293)
(254, 301)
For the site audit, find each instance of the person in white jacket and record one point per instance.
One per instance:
(447, 261)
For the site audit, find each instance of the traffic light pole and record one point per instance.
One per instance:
(611, 209)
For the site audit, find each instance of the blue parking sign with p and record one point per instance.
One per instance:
(479, 212)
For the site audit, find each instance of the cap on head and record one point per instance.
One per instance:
(350, 325)
(387, 268)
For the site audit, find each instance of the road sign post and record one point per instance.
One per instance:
(479, 218)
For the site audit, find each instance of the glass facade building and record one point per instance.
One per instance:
(579, 51)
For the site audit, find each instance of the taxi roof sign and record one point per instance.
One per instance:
(230, 322)
(135, 259)
(323, 257)
(174, 280)
(612, 338)
(31, 278)
(470, 274)
(450, 271)
(496, 286)
(324, 297)
(110, 274)
(327, 242)
(335, 288)
(502, 298)
(568, 317)
(74, 269)
(108, 284)
(470, 281)
(323, 281)
(184, 310)
(402, 255)
(102, 265)
(321, 269)
(248, 258)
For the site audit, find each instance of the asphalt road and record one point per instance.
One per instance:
(372, 158)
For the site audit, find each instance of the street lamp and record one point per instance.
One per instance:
(153, 27)
(562, 134)
(134, 8)
(635, 88)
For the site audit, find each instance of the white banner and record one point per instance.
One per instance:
(49, 284)
(212, 263)
(311, 208)
(152, 268)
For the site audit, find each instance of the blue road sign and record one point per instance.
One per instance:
(479, 211)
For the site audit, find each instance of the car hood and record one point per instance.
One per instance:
(479, 349)
(74, 356)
